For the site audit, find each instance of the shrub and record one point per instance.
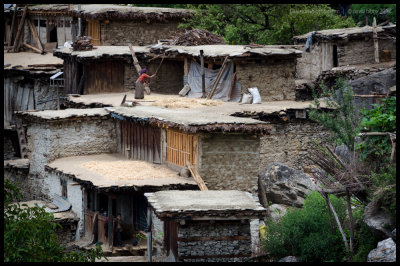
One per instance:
(306, 232)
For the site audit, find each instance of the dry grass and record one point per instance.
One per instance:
(176, 102)
(128, 170)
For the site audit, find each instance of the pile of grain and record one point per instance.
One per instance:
(182, 102)
(128, 170)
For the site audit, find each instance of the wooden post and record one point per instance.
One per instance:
(12, 25)
(33, 48)
(135, 61)
(366, 17)
(19, 32)
(218, 78)
(375, 37)
(348, 198)
(58, 98)
(203, 77)
(35, 34)
(232, 86)
(110, 222)
(149, 236)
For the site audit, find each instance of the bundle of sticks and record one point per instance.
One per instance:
(196, 37)
(82, 43)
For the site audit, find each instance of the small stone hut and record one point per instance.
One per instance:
(343, 47)
(110, 69)
(205, 226)
(107, 24)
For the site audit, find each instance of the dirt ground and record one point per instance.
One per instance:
(30, 58)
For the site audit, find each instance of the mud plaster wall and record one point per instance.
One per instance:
(361, 51)
(274, 78)
(312, 63)
(48, 141)
(289, 144)
(137, 33)
(229, 161)
(52, 185)
(169, 78)
(214, 247)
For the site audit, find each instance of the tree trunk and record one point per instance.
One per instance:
(19, 32)
(351, 222)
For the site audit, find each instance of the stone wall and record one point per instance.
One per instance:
(229, 161)
(312, 63)
(362, 51)
(52, 186)
(19, 177)
(67, 233)
(137, 33)
(217, 229)
(49, 141)
(274, 78)
(169, 78)
(289, 144)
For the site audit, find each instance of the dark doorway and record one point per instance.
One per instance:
(53, 34)
(335, 56)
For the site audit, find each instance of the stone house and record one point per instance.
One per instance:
(203, 226)
(107, 24)
(110, 69)
(343, 47)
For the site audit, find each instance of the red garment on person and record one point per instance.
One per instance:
(143, 77)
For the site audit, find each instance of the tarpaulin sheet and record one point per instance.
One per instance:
(224, 84)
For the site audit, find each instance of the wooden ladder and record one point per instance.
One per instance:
(22, 139)
(196, 176)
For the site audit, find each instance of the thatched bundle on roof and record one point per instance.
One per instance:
(196, 37)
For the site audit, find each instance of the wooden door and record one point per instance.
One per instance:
(94, 31)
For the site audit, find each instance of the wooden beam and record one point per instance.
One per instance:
(34, 34)
(196, 176)
(210, 95)
(135, 60)
(375, 37)
(232, 86)
(33, 48)
(19, 32)
(12, 26)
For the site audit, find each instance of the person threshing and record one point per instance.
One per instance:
(140, 83)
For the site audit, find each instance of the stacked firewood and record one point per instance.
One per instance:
(82, 43)
(196, 37)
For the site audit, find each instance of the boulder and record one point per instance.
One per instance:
(289, 259)
(344, 153)
(284, 185)
(378, 220)
(394, 235)
(385, 252)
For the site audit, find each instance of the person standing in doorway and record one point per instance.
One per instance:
(118, 230)
(143, 78)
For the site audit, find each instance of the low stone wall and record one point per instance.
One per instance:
(227, 161)
(19, 177)
(67, 232)
(274, 78)
(208, 251)
(289, 143)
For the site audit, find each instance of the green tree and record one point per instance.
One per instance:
(358, 13)
(264, 23)
(30, 234)
(343, 118)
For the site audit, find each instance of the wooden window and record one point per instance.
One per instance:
(64, 192)
(181, 147)
(94, 31)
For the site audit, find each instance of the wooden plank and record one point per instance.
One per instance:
(34, 34)
(150, 141)
(25, 98)
(213, 238)
(33, 48)
(123, 137)
(375, 37)
(14, 19)
(194, 150)
(221, 71)
(132, 140)
(30, 100)
(19, 32)
(146, 144)
(19, 99)
(157, 146)
(196, 176)
(135, 61)
(142, 157)
(128, 139)
(137, 139)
